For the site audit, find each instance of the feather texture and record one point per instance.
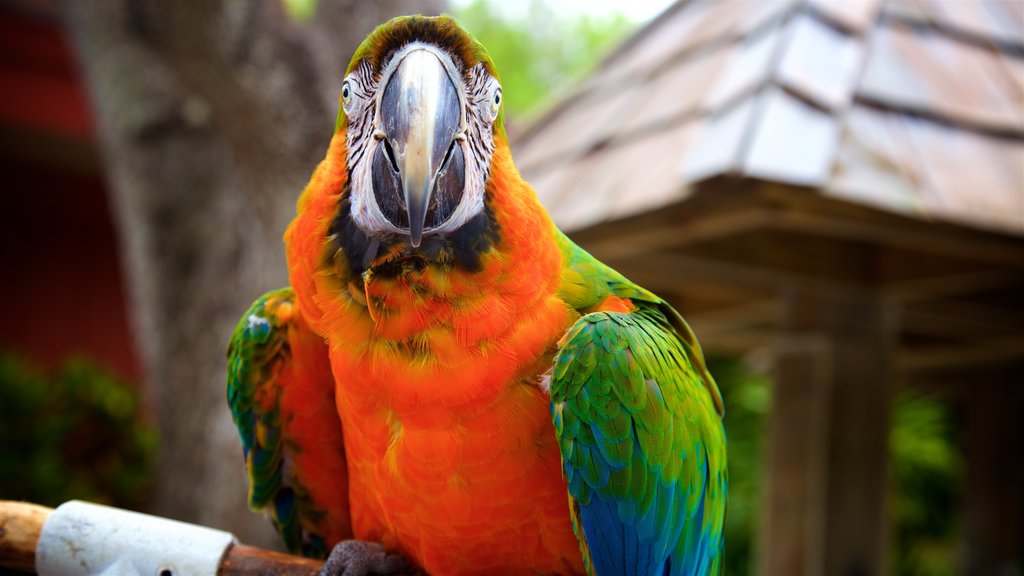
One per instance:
(281, 395)
(638, 424)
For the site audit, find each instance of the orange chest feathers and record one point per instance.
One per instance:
(452, 457)
(451, 453)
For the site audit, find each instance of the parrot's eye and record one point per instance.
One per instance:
(346, 94)
(496, 104)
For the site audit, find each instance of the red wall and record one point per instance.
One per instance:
(41, 88)
(61, 284)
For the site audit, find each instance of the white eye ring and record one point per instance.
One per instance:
(346, 94)
(496, 103)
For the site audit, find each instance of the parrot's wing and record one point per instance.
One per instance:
(642, 444)
(281, 394)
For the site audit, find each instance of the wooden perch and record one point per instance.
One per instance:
(21, 524)
(246, 560)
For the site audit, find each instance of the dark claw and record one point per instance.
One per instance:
(360, 558)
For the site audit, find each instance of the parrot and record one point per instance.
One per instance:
(449, 383)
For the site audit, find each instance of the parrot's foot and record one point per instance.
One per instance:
(360, 558)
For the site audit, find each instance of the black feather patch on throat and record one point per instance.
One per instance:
(462, 249)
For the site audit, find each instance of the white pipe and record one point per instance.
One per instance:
(80, 539)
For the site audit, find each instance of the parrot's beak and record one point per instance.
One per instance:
(419, 121)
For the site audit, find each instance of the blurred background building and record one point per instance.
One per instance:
(832, 192)
(840, 185)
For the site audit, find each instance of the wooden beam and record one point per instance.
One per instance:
(733, 343)
(811, 212)
(672, 268)
(823, 258)
(962, 321)
(623, 240)
(974, 245)
(765, 312)
(942, 357)
(824, 508)
(736, 329)
(947, 319)
(728, 207)
(756, 270)
(959, 382)
(955, 284)
(698, 295)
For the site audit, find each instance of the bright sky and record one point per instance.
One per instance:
(637, 11)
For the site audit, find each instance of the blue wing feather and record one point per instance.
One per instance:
(642, 444)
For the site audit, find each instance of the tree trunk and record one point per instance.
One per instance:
(211, 116)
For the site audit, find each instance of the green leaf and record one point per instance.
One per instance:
(300, 10)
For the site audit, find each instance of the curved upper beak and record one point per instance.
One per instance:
(420, 115)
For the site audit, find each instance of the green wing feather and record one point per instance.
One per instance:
(280, 392)
(638, 421)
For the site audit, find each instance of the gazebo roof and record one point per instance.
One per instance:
(734, 154)
(913, 107)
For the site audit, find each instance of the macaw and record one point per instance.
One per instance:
(449, 377)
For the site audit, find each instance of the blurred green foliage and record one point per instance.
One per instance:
(747, 397)
(77, 433)
(299, 10)
(927, 471)
(536, 54)
(540, 52)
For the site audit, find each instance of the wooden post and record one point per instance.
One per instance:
(993, 499)
(20, 525)
(793, 495)
(824, 499)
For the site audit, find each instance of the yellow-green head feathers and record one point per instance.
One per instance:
(442, 31)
